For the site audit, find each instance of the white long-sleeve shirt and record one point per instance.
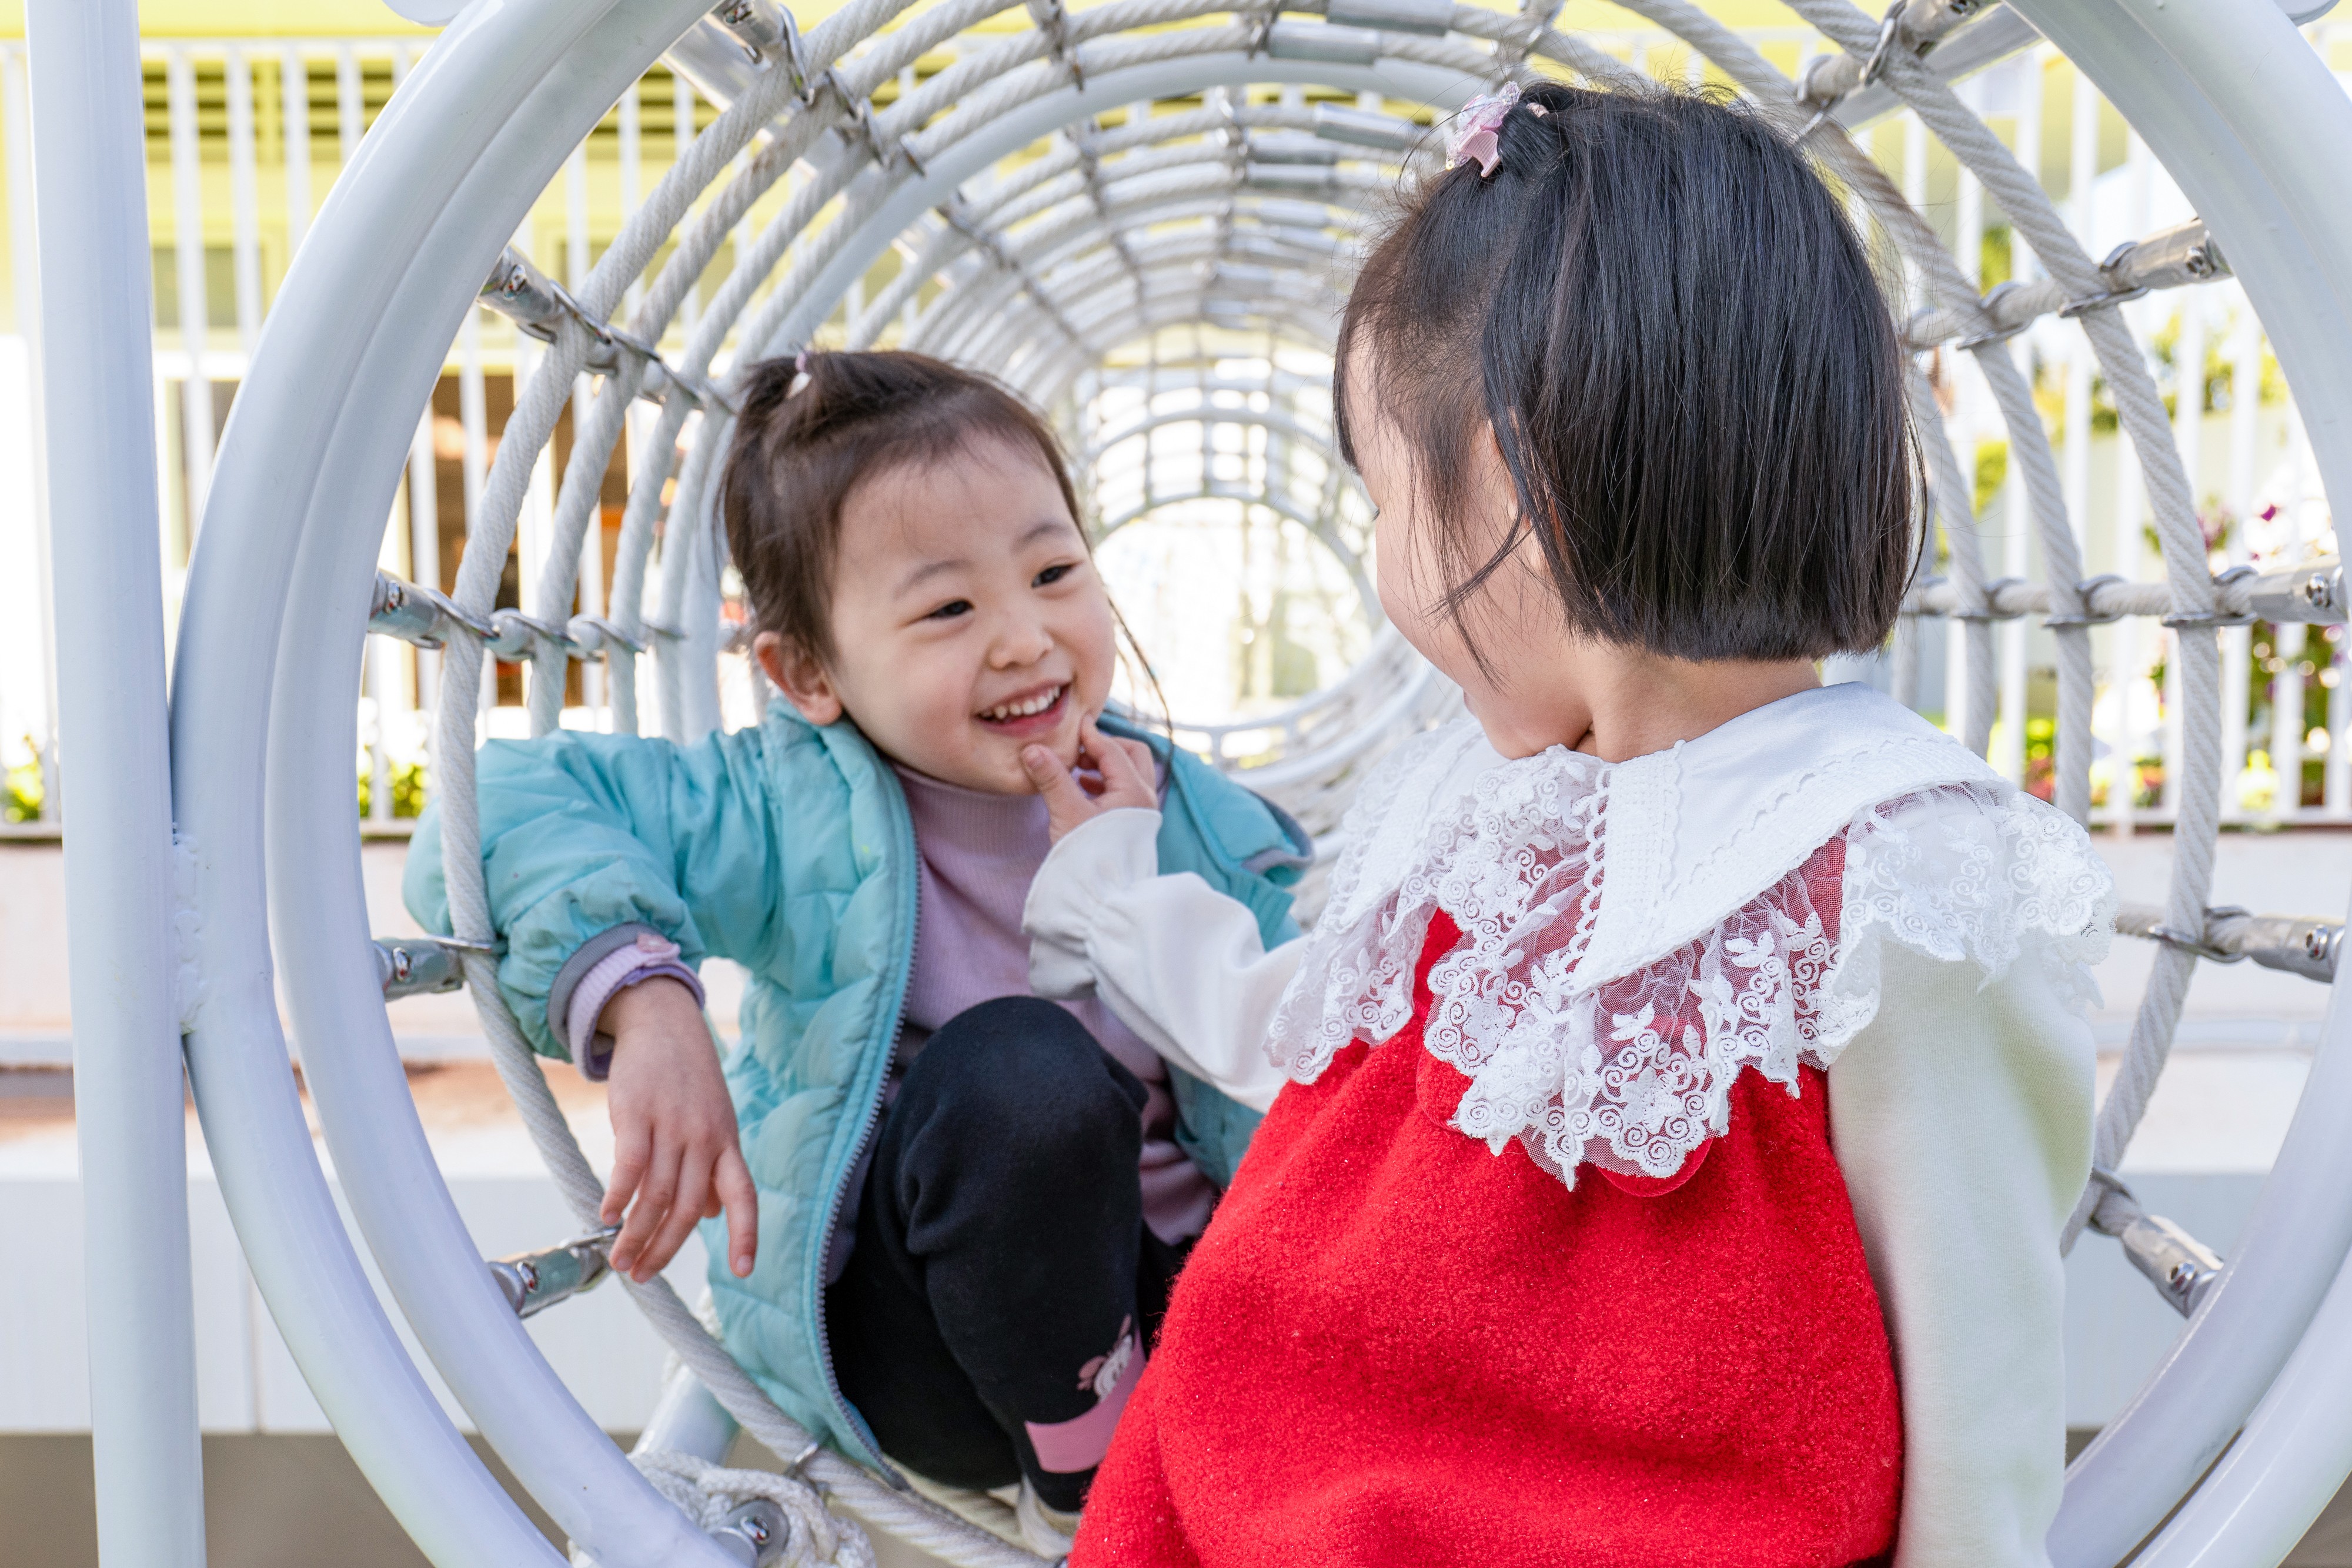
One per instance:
(1948, 1014)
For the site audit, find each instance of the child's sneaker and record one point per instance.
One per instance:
(1047, 1532)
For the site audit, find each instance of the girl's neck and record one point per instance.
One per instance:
(1651, 702)
(1618, 704)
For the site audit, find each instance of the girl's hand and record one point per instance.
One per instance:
(675, 1144)
(1111, 773)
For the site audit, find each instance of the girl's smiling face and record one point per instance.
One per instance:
(967, 622)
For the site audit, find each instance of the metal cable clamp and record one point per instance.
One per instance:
(534, 1281)
(423, 966)
(516, 636)
(1989, 601)
(2197, 942)
(753, 24)
(1990, 304)
(794, 61)
(1888, 29)
(2217, 616)
(2087, 592)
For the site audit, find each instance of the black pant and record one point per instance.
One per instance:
(1001, 1248)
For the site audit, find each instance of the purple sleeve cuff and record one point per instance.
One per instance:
(649, 956)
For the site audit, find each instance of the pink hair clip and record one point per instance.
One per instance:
(799, 375)
(1477, 130)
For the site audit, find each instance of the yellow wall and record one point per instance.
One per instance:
(250, 19)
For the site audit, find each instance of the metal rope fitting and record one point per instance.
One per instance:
(2293, 945)
(2218, 615)
(2169, 258)
(593, 635)
(794, 61)
(2087, 592)
(754, 24)
(1053, 19)
(2183, 1269)
(539, 305)
(2184, 254)
(423, 966)
(2200, 943)
(1827, 81)
(2312, 592)
(1989, 607)
(419, 616)
(2123, 284)
(754, 1534)
(1261, 36)
(516, 636)
(1996, 333)
(534, 1281)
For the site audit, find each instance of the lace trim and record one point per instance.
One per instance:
(1632, 1071)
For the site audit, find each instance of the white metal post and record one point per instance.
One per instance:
(90, 171)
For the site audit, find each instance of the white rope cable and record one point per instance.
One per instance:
(706, 158)
(2062, 556)
(2140, 410)
(2028, 439)
(698, 548)
(1954, 500)
(575, 506)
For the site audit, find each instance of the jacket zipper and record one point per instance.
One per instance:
(843, 1410)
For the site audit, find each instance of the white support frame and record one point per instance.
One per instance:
(471, 139)
(122, 881)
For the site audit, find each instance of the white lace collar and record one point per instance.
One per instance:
(1635, 934)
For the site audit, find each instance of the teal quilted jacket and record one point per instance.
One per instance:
(787, 849)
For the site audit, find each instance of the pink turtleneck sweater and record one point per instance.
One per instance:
(978, 855)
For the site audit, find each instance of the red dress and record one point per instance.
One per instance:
(1395, 1348)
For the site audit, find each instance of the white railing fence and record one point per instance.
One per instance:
(246, 138)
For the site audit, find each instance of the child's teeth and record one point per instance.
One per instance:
(1036, 705)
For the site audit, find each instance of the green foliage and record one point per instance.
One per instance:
(2041, 757)
(407, 788)
(1999, 262)
(2220, 381)
(21, 790)
(1993, 471)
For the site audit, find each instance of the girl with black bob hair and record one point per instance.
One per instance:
(1656, 308)
(1676, 1105)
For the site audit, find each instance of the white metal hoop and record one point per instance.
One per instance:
(2237, 107)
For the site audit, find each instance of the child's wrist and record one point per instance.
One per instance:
(646, 1002)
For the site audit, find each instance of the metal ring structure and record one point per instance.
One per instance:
(1049, 267)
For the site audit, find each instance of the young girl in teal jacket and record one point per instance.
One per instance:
(952, 1211)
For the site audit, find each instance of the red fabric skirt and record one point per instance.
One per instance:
(1393, 1347)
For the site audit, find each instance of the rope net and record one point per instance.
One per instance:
(1142, 214)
